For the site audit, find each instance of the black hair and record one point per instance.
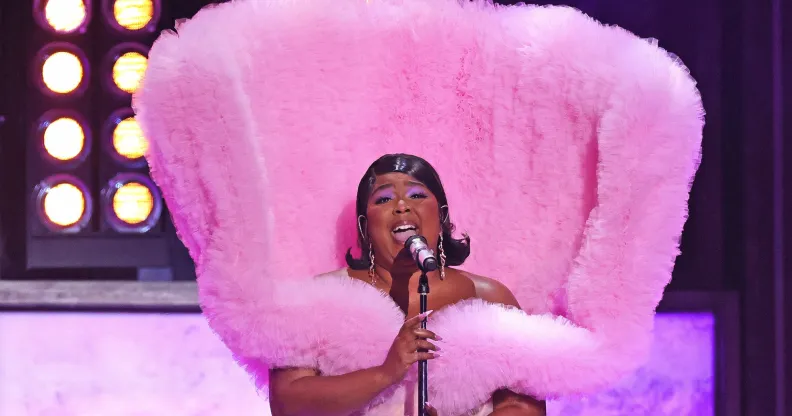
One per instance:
(456, 250)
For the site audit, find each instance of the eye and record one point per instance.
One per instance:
(381, 200)
(418, 195)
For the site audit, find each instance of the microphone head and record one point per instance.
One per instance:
(429, 264)
(421, 253)
(412, 240)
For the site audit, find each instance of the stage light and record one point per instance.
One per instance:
(128, 71)
(62, 72)
(64, 203)
(62, 69)
(62, 16)
(132, 203)
(128, 140)
(124, 137)
(124, 67)
(64, 138)
(134, 15)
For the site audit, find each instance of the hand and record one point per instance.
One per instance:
(431, 411)
(404, 352)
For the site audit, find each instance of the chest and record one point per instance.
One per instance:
(440, 296)
(454, 288)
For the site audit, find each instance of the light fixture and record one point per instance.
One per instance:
(63, 16)
(132, 15)
(64, 203)
(125, 66)
(125, 141)
(64, 136)
(61, 69)
(132, 203)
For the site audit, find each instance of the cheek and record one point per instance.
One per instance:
(430, 220)
(378, 223)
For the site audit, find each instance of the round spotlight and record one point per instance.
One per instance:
(128, 71)
(62, 72)
(132, 203)
(64, 138)
(62, 69)
(132, 15)
(127, 145)
(64, 203)
(62, 16)
(128, 140)
(125, 66)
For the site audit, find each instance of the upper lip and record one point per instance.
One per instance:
(403, 223)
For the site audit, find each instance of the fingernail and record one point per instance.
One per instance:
(438, 338)
(425, 314)
(437, 354)
(429, 404)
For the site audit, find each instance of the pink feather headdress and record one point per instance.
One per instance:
(566, 147)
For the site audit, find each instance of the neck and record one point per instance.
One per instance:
(398, 279)
(401, 274)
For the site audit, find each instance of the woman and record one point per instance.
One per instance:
(399, 196)
(573, 146)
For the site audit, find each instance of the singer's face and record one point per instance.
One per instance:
(399, 207)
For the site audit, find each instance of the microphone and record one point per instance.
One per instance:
(420, 252)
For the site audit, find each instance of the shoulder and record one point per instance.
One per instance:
(344, 272)
(491, 290)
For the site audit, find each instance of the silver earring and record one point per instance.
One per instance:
(442, 258)
(444, 218)
(360, 226)
(372, 273)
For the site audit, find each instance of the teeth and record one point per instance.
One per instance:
(403, 228)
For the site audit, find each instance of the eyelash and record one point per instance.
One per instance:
(383, 199)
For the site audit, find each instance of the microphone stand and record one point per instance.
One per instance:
(426, 261)
(423, 378)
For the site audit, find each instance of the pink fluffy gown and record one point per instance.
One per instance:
(567, 149)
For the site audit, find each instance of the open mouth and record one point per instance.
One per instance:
(404, 231)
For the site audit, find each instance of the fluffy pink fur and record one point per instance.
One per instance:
(566, 148)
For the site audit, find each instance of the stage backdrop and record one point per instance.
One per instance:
(136, 364)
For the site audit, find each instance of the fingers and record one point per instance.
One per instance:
(424, 345)
(426, 334)
(419, 335)
(415, 321)
(423, 356)
(431, 410)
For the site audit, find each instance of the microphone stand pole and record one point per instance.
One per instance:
(423, 379)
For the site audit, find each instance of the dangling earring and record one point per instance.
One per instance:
(372, 273)
(360, 226)
(444, 218)
(441, 249)
(442, 257)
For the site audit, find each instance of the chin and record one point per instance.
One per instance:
(397, 255)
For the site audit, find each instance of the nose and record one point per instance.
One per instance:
(401, 207)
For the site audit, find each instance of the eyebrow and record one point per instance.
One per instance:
(390, 185)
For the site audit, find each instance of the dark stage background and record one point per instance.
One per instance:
(737, 238)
